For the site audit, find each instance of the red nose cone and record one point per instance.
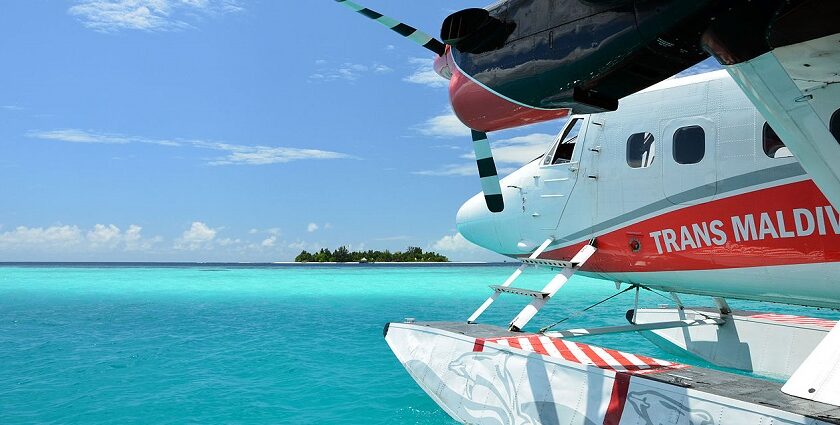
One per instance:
(482, 110)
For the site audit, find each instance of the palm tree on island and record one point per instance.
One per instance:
(343, 255)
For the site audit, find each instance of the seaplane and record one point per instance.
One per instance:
(724, 185)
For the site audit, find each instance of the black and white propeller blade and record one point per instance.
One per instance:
(483, 155)
(400, 28)
(487, 171)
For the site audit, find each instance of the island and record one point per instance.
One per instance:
(343, 255)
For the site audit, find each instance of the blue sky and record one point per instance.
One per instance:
(229, 130)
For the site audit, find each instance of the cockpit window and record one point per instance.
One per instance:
(772, 144)
(834, 125)
(563, 149)
(641, 150)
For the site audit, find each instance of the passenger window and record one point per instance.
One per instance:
(689, 145)
(562, 151)
(641, 150)
(834, 126)
(772, 144)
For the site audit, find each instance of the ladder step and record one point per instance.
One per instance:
(567, 269)
(519, 291)
(548, 263)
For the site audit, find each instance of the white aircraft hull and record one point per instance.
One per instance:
(505, 378)
(816, 282)
(746, 221)
(769, 344)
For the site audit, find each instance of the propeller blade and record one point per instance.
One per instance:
(400, 28)
(487, 171)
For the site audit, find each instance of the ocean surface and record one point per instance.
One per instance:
(247, 344)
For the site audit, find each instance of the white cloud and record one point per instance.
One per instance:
(509, 154)
(46, 237)
(12, 107)
(228, 242)
(445, 125)
(134, 241)
(458, 248)
(520, 150)
(269, 242)
(382, 69)
(109, 242)
(73, 135)
(79, 136)
(456, 242)
(266, 155)
(347, 71)
(300, 245)
(103, 235)
(147, 15)
(424, 73)
(133, 233)
(67, 237)
(313, 227)
(451, 170)
(198, 236)
(233, 154)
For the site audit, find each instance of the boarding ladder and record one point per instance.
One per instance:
(540, 298)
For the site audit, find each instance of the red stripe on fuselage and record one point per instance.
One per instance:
(478, 346)
(537, 345)
(617, 399)
(619, 357)
(781, 235)
(596, 359)
(564, 351)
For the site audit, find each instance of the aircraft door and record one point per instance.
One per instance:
(557, 176)
(689, 172)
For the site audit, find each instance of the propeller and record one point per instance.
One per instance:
(481, 146)
(487, 172)
(400, 28)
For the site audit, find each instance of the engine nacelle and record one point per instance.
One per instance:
(520, 61)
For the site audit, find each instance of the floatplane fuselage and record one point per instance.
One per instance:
(685, 188)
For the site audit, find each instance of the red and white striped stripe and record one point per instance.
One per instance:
(797, 320)
(603, 358)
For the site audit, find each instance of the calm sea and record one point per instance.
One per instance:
(235, 344)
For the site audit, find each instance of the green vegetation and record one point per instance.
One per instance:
(343, 255)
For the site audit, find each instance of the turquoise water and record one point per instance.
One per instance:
(246, 345)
